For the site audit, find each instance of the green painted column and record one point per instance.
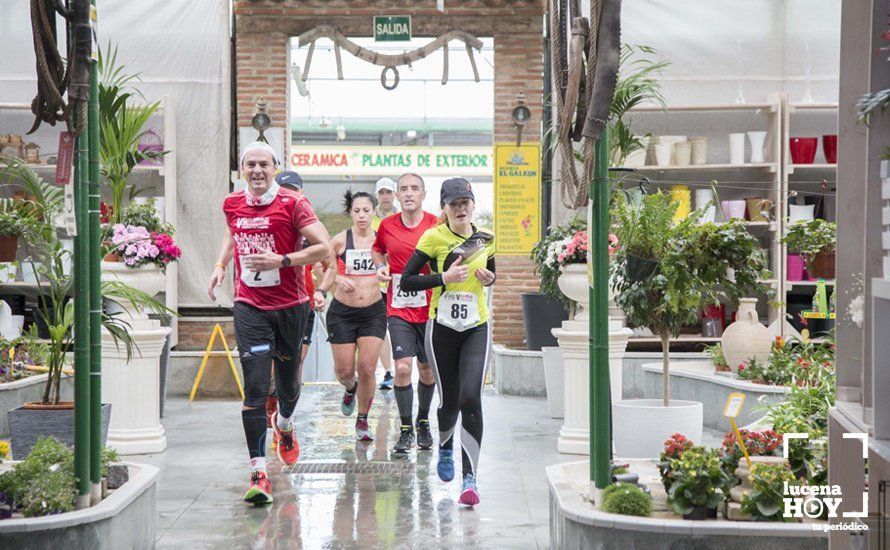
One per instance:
(81, 317)
(95, 288)
(600, 397)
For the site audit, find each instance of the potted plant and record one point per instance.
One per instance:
(687, 267)
(637, 83)
(765, 501)
(815, 240)
(674, 447)
(698, 483)
(715, 352)
(122, 126)
(10, 231)
(765, 443)
(50, 415)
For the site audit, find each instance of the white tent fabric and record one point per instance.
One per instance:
(181, 50)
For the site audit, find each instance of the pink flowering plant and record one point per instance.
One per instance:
(138, 246)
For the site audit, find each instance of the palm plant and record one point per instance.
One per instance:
(121, 127)
(48, 258)
(637, 84)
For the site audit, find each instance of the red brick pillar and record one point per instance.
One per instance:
(262, 71)
(518, 66)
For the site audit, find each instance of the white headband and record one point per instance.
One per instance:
(258, 145)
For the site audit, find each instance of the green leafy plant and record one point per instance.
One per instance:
(10, 225)
(638, 83)
(715, 352)
(44, 482)
(798, 362)
(698, 480)
(121, 127)
(765, 501)
(688, 268)
(811, 237)
(627, 499)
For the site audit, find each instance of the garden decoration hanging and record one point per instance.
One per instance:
(582, 104)
(389, 62)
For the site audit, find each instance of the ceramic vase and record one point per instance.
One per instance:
(803, 149)
(757, 139)
(683, 153)
(829, 147)
(699, 150)
(682, 196)
(737, 148)
(733, 209)
(801, 212)
(704, 199)
(747, 338)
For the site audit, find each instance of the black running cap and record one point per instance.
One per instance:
(289, 178)
(454, 189)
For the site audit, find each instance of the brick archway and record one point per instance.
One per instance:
(263, 28)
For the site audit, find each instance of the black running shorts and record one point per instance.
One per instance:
(407, 339)
(310, 328)
(347, 324)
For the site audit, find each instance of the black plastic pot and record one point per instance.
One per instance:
(164, 361)
(540, 316)
(26, 426)
(698, 513)
(640, 269)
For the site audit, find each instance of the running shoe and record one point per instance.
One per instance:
(387, 382)
(347, 406)
(424, 435)
(468, 494)
(260, 491)
(405, 442)
(363, 430)
(445, 468)
(287, 448)
(271, 407)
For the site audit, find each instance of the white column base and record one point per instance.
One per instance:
(133, 389)
(574, 437)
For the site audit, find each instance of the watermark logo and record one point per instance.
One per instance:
(822, 500)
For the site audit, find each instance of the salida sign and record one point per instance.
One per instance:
(380, 161)
(392, 28)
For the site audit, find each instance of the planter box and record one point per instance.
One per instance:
(696, 380)
(519, 372)
(126, 519)
(27, 426)
(15, 394)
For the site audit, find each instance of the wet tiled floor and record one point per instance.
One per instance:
(401, 505)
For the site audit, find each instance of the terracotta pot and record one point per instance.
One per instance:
(821, 266)
(8, 248)
(113, 257)
(803, 149)
(746, 338)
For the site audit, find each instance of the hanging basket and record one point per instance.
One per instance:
(640, 269)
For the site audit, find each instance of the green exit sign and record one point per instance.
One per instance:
(392, 28)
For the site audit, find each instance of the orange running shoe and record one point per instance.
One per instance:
(285, 443)
(260, 491)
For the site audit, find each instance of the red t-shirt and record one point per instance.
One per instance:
(398, 242)
(274, 227)
(310, 284)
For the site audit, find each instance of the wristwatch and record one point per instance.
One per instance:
(323, 293)
(285, 261)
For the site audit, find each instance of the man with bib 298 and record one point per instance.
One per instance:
(407, 312)
(461, 259)
(266, 228)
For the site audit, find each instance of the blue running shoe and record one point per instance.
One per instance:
(387, 382)
(468, 494)
(347, 405)
(445, 468)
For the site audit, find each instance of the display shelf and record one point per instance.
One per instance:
(812, 167)
(770, 167)
(654, 108)
(159, 168)
(808, 283)
(812, 106)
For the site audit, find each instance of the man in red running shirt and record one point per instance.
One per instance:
(266, 228)
(407, 312)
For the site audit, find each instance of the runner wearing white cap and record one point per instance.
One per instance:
(385, 190)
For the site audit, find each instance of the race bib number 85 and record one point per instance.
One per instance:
(458, 310)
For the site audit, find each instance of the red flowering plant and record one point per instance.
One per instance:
(674, 447)
(765, 443)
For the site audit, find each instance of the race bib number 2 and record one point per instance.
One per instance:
(402, 299)
(458, 310)
(261, 278)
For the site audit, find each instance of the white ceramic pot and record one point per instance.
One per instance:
(699, 150)
(574, 284)
(640, 426)
(554, 379)
(149, 279)
(662, 153)
(7, 272)
(733, 209)
(737, 148)
(636, 159)
(683, 153)
(703, 197)
(801, 212)
(746, 338)
(757, 139)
